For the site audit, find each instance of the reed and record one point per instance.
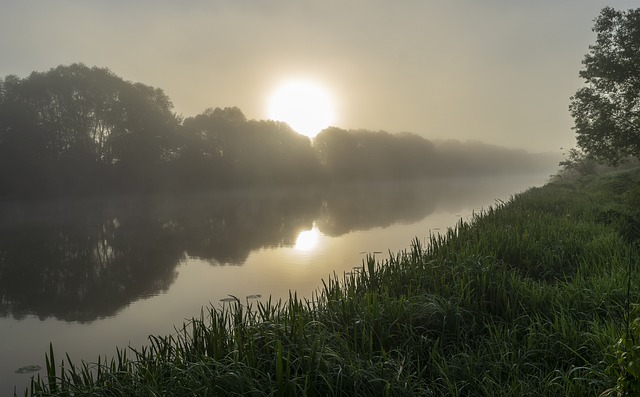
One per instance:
(526, 299)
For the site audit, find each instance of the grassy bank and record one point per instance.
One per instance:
(528, 299)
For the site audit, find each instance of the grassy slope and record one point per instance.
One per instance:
(525, 301)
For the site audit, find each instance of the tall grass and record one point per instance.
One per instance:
(527, 299)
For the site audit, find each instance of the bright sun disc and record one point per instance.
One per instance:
(307, 107)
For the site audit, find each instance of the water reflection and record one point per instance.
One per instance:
(308, 240)
(87, 259)
(79, 263)
(355, 206)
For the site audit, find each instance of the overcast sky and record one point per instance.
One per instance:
(500, 72)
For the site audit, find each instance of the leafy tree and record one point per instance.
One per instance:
(222, 148)
(277, 153)
(578, 163)
(607, 109)
(209, 149)
(78, 130)
(336, 149)
(373, 155)
(75, 128)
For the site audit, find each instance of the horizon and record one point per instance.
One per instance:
(501, 74)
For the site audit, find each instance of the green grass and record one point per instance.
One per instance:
(527, 299)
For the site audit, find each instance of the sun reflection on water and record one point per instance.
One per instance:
(307, 240)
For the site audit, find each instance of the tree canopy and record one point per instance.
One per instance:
(607, 109)
(77, 130)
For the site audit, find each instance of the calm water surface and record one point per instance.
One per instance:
(90, 275)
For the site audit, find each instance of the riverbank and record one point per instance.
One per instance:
(527, 299)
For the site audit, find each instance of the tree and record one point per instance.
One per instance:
(222, 148)
(578, 163)
(607, 109)
(373, 155)
(74, 128)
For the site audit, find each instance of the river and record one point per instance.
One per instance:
(88, 275)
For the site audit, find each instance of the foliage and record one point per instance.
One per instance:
(525, 299)
(75, 130)
(626, 359)
(223, 148)
(78, 128)
(607, 110)
(352, 154)
(579, 163)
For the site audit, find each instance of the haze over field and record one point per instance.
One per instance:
(498, 72)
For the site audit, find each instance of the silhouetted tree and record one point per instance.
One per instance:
(473, 158)
(607, 109)
(369, 155)
(277, 153)
(76, 128)
(336, 148)
(578, 163)
(223, 148)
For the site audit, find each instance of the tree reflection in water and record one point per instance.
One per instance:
(80, 260)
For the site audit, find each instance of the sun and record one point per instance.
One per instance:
(303, 104)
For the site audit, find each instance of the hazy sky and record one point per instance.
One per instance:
(497, 71)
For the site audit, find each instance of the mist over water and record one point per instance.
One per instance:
(79, 271)
(119, 218)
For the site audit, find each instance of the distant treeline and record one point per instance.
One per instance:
(81, 130)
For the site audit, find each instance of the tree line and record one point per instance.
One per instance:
(84, 130)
